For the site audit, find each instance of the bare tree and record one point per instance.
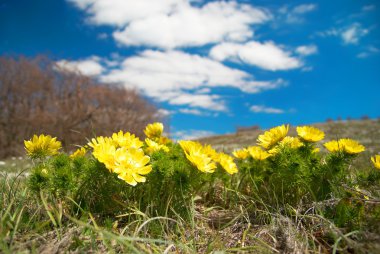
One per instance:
(37, 96)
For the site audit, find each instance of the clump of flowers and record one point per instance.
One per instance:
(346, 145)
(281, 170)
(42, 146)
(205, 158)
(155, 141)
(198, 156)
(291, 168)
(122, 154)
(131, 165)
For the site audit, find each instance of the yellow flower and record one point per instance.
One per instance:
(376, 161)
(99, 141)
(154, 130)
(154, 146)
(80, 152)
(45, 171)
(241, 154)
(316, 150)
(201, 161)
(41, 146)
(274, 150)
(211, 152)
(131, 165)
(334, 146)
(164, 140)
(291, 142)
(126, 140)
(201, 157)
(227, 162)
(188, 145)
(257, 153)
(351, 146)
(310, 134)
(122, 155)
(103, 150)
(344, 145)
(273, 136)
(105, 153)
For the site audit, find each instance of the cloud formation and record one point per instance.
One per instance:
(307, 50)
(90, 66)
(266, 55)
(350, 34)
(296, 14)
(191, 134)
(121, 12)
(180, 23)
(180, 78)
(353, 33)
(193, 111)
(304, 8)
(264, 109)
(162, 71)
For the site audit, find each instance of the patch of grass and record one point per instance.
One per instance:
(27, 226)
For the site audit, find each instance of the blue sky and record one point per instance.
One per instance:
(211, 66)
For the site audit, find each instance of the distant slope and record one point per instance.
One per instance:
(366, 132)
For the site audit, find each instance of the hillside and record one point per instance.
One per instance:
(366, 132)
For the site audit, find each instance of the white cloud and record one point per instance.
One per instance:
(193, 111)
(174, 23)
(307, 50)
(266, 55)
(190, 26)
(296, 14)
(205, 101)
(121, 12)
(204, 90)
(90, 66)
(191, 134)
(175, 77)
(264, 109)
(304, 8)
(163, 112)
(352, 34)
